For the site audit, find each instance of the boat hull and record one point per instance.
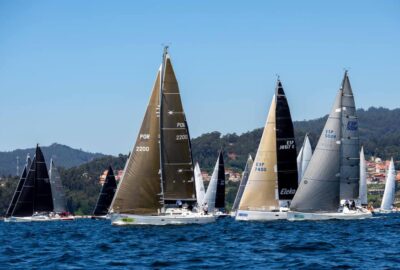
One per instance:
(247, 215)
(38, 219)
(299, 216)
(128, 219)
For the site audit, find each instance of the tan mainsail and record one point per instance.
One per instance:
(260, 191)
(140, 184)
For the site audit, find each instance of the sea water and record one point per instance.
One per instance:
(226, 244)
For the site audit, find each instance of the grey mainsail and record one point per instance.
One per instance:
(319, 189)
(350, 145)
(57, 189)
(243, 182)
(176, 155)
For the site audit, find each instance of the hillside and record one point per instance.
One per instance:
(379, 132)
(63, 155)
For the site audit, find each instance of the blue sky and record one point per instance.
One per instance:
(80, 72)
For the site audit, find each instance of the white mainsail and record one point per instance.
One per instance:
(200, 190)
(390, 188)
(363, 179)
(304, 157)
(211, 192)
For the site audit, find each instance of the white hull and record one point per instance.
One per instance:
(192, 218)
(383, 211)
(247, 215)
(41, 218)
(299, 216)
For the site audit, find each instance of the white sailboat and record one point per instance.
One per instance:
(304, 157)
(215, 194)
(363, 196)
(158, 187)
(273, 179)
(387, 205)
(333, 173)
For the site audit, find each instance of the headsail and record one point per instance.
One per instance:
(200, 190)
(363, 179)
(106, 194)
(259, 193)
(211, 193)
(319, 188)
(220, 194)
(390, 188)
(243, 182)
(57, 189)
(140, 183)
(285, 147)
(304, 157)
(176, 155)
(350, 145)
(19, 188)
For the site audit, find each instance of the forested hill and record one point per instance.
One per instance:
(64, 156)
(379, 133)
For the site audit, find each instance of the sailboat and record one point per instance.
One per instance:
(105, 197)
(387, 205)
(363, 193)
(158, 187)
(215, 194)
(35, 201)
(58, 194)
(242, 185)
(17, 192)
(199, 182)
(333, 173)
(273, 178)
(304, 157)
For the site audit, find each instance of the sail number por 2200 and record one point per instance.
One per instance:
(142, 149)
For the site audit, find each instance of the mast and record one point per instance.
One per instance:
(161, 141)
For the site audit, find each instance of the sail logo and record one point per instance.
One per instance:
(144, 136)
(288, 191)
(260, 167)
(287, 146)
(330, 134)
(352, 125)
